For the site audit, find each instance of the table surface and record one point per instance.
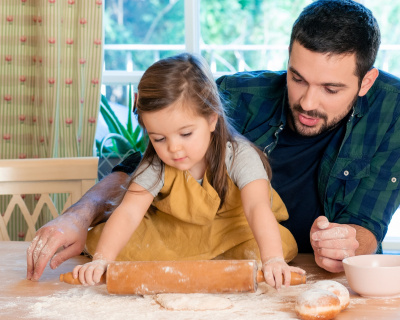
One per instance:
(50, 299)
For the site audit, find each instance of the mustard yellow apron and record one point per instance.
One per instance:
(184, 223)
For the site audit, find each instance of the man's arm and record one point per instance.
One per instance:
(373, 199)
(332, 242)
(367, 239)
(68, 232)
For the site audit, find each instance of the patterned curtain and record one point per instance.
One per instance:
(50, 71)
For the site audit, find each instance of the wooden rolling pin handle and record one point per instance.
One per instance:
(68, 278)
(295, 278)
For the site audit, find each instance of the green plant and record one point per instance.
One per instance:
(124, 138)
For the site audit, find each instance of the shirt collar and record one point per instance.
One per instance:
(279, 118)
(361, 106)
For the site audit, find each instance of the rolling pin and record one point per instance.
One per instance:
(204, 276)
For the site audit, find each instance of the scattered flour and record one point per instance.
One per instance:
(356, 301)
(96, 303)
(193, 302)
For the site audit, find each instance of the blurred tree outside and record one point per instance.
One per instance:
(238, 23)
(252, 24)
(387, 13)
(236, 35)
(141, 22)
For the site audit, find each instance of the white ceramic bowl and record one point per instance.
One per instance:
(374, 276)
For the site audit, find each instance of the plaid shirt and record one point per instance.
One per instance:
(359, 174)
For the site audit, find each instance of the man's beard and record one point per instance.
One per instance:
(326, 126)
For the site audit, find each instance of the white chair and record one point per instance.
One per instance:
(43, 177)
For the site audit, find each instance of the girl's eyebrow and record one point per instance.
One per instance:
(325, 84)
(181, 128)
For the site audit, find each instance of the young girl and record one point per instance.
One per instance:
(201, 191)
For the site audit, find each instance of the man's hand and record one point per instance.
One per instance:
(332, 242)
(65, 233)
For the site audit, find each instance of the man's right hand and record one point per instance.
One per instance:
(66, 233)
(65, 236)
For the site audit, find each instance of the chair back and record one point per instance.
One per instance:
(42, 178)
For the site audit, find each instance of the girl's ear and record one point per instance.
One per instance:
(213, 122)
(368, 81)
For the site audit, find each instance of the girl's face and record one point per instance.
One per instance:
(180, 136)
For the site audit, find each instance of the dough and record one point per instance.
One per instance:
(336, 288)
(192, 301)
(316, 304)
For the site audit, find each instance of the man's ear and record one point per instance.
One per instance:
(368, 81)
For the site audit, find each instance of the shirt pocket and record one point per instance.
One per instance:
(349, 173)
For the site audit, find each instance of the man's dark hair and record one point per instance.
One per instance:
(339, 27)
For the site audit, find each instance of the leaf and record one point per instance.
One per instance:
(136, 133)
(112, 121)
(109, 116)
(124, 138)
(123, 144)
(130, 111)
(142, 143)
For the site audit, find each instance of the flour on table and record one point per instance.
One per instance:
(96, 303)
(192, 302)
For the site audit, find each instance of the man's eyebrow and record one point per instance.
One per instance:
(293, 70)
(325, 84)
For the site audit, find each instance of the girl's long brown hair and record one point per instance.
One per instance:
(186, 77)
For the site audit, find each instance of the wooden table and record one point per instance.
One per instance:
(50, 299)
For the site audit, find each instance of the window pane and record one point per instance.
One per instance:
(148, 30)
(387, 14)
(118, 94)
(245, 34)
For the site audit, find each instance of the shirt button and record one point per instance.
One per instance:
(394, 179)
(346, 173)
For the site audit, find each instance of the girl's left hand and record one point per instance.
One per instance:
(276, 270)
(91, 272)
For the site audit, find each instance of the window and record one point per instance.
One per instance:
(139, 32)
(392, 239)
(387, 13)
(233, 35)
(259, 41)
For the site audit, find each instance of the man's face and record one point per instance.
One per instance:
(322, 89)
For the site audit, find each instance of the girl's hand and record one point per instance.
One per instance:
(275, 269)
(91, 272)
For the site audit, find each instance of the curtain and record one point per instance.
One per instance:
(50, 77)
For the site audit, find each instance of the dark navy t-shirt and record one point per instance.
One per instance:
(294, 162)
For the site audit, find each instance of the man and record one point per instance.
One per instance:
(330, 126)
